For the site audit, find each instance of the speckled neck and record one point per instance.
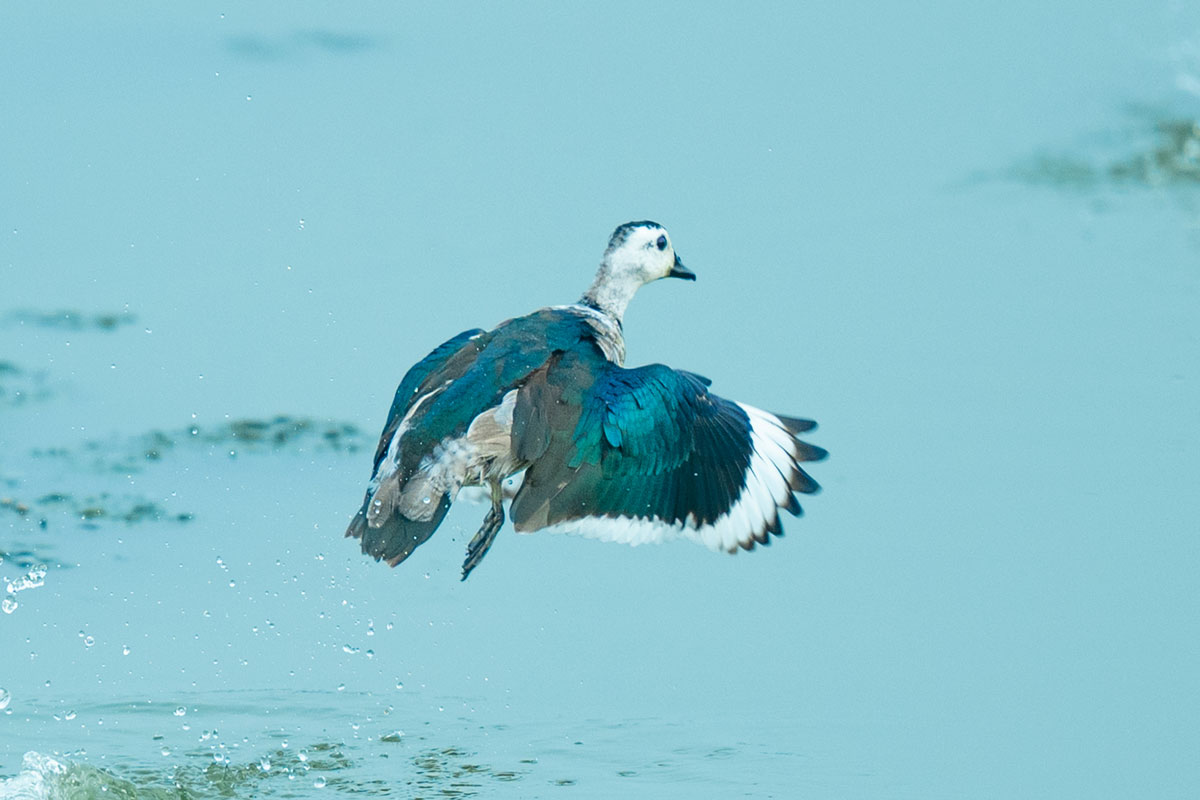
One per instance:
(610, 294)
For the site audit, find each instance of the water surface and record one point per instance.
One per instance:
(963, 239)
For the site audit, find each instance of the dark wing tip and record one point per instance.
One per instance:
(796, 424)
(357, 524)
(397, 537)
(793, 506)
(810, 452)
(801, 481)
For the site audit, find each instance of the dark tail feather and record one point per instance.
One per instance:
(395, 539)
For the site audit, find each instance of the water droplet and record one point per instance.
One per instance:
(166, 751)
(179, 712)
(399, 684)
(348, 649)
(89, 641)
(125, 650)
(319, 783)
(425, 500)
(302, 756)
(341, 687)
(265, 764)
(8, 605)
(70, 715)
(5, 698)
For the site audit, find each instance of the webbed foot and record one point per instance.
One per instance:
(492, 524)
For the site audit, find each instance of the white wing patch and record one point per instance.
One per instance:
(384, 487)
(391, 459)
(752, 517)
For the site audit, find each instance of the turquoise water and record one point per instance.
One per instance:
(963, 239)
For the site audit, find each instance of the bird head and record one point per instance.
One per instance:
(641, 252)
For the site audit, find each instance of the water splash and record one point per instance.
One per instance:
(33, 579)
(38, 775)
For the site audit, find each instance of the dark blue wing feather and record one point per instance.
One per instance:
(651, 442)
(514, 350)
(458, 381)
(410, 386)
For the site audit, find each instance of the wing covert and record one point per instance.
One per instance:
(418, 376)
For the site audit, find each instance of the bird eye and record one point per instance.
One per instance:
(662, 243)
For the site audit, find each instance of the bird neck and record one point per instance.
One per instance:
(610, 294)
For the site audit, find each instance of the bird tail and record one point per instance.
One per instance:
(397, 536)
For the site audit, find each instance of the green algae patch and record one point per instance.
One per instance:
(71, 319)
(1157, 151)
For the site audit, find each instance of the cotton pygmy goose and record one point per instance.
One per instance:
(624, 455)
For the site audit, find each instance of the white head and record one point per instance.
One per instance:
(637, 253)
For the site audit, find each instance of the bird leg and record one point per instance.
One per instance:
(492, 523)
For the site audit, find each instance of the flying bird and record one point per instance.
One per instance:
(625, 455)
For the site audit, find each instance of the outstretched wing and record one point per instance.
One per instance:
(641, 455)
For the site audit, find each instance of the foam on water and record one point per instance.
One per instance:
(37, 779)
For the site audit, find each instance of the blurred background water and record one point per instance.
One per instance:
(963, 238)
